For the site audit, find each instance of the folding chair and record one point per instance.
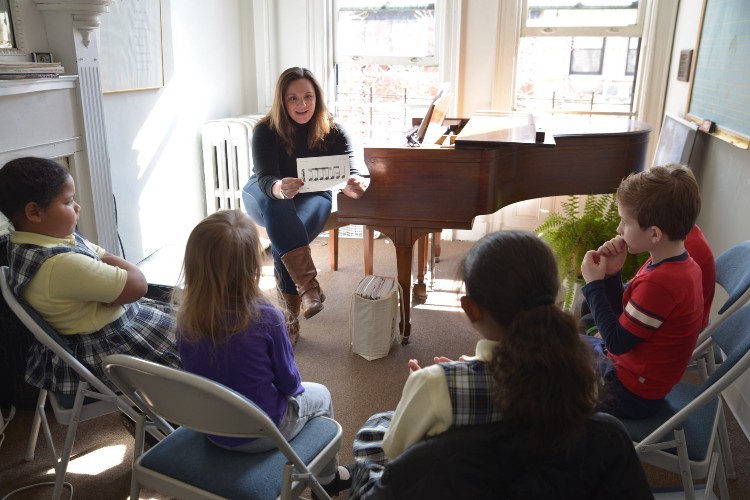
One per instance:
(92, 398)
(733, 275)
(186, 464)
(682, 438)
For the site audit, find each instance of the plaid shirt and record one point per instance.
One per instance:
(145, 330)
(470, 387)
(25, 260)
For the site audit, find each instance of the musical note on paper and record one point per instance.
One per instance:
(323, 173)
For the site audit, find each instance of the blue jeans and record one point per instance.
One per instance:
(615, 398)
(290, 224)
(314, 402)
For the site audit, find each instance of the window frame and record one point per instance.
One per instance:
(635, 30)
(653, 65)
(343, 56)
(638, 30)
(446, 58)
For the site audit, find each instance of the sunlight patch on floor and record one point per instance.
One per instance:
(97, 461)
(445, 295)
(267, 279)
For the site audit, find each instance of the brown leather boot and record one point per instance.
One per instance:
(301, 268)
(293, 303)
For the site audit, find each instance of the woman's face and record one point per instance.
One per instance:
(299, 100)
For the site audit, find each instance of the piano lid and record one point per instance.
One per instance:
(492, 128)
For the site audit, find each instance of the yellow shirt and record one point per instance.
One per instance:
(425, 406)
(71, 290)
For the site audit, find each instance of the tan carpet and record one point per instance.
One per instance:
(359, 387)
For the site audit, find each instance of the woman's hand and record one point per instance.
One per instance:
(356, 186)
(287, 188)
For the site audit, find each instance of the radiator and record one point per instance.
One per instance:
(227, 160)
(228, 164)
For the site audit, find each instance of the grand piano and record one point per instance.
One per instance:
(494, 162)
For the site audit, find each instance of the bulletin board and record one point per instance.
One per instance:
(130, 46)
(721, 82)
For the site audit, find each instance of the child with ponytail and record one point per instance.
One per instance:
(516, 420)
(531, 368)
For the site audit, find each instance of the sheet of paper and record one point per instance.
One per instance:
(435, 129)
(321, 173)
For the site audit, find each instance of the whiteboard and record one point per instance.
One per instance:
(130, 46)
(721, 83)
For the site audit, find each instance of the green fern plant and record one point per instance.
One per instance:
(573, 231)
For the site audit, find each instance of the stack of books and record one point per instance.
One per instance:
(376, 287)
(26, 70)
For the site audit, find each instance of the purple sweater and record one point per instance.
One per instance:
(258, 363)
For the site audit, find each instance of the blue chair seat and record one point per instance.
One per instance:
(233, 474)
(698, 427)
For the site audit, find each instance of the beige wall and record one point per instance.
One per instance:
(723, 172)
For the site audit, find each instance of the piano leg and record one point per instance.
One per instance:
(420, 288)
(436, 244)
(428, 253)
(368, 242)
(403, 239)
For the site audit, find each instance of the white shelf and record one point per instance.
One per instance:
(25, 86)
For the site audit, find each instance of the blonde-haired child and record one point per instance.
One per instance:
(228, 330)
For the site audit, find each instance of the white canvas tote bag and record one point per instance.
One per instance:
(374, 316)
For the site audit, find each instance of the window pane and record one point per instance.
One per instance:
(394, 28)
(586, 13)
(545, 80)
(377, 102)
(632, 60)
(586, 56)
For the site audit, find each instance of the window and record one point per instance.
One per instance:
(632, 59)
(586, 55)
(386, 65)
(579, 56)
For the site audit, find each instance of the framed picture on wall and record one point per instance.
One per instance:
(11, 29)
(676, 140)
(42, 57)
(130, 46)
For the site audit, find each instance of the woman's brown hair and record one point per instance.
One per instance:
(280, 122)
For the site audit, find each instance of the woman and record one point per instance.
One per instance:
(299, 125)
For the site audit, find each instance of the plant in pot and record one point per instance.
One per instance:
(575, 230)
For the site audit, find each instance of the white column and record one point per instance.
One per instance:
(70, 27)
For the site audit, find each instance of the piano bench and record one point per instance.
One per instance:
(332, 225)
